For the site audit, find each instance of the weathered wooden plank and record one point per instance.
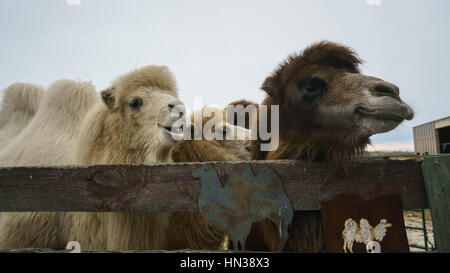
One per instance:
(49, 250)
(171, 187)
(436, 171)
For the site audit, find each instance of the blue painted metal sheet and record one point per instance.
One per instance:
(245, 199)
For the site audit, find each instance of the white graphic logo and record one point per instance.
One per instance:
(364, 233)
(74, 246)
(373, 2)
(73, 2)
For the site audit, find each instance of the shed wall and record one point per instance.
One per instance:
(426, 139)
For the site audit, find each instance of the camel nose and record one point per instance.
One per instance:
(386, 89)
(179, 108)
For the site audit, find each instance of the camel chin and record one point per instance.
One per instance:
(170, 135)
(383, 116)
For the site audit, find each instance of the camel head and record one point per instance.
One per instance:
(145, 104)
(231, 138)
(323, 97)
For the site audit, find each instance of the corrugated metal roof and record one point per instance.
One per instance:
(438, 120)
(426, 138)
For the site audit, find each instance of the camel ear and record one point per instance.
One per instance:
(269, 86)
(108, 97)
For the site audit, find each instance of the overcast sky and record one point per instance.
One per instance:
(223, 50)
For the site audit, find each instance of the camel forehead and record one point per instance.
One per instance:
(151, 76)
(142, 92)
(325, 54)
(324, 57)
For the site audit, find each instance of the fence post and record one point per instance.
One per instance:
(436, 174)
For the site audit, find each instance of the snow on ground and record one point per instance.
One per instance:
(414, 219)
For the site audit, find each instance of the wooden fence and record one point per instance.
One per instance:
(172, 187)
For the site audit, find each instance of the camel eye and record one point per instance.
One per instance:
(136, 104)
(313, 86)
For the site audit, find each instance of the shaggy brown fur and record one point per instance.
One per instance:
(328, 111)
(314, 143)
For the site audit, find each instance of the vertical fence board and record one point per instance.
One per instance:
(436, 172)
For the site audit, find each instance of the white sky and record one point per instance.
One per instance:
(222, 50)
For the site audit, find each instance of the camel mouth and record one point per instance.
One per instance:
(379, 114)
(175, 133)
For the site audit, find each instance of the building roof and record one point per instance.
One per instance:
(439, 123)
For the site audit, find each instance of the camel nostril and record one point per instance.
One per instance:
(410, 115)
(386, 90)
(176, 109)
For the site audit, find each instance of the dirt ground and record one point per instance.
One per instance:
(414, 219)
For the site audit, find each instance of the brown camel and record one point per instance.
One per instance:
(328, 111)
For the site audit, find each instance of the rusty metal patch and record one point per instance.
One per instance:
(245, 199)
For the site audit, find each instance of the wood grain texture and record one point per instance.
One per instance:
(49, 250)
(171, 187)
(436, 172)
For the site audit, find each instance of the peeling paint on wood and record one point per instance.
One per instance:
(171, 187)
(243, 200)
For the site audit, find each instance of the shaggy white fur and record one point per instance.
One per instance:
(118, 133)
(129, 128)
(45, 141)
(19, 105)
